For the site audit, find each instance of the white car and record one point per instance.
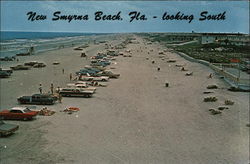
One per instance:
(91, 78)
(85, 87)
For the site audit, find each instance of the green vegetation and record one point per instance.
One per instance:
(214, 53)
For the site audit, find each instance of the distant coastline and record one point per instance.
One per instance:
(11, 35)
(13, 42)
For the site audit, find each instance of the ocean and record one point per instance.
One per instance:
(13, 43)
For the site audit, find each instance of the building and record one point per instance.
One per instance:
(237, 39)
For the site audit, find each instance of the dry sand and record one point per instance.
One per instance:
(136, 119)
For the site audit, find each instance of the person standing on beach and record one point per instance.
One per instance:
(63, 70)
(40, 88)
(70, 76)
(60, 98)
(52, 88)
(58, 89)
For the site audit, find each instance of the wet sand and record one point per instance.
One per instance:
(136, 119)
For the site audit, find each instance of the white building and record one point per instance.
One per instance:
(225, 39)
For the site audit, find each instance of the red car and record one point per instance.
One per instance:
(18, 113)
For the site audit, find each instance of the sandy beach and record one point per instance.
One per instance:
(135, 119)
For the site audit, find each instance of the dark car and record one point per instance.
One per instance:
(39, 65)
(99, 64)
(23, 54)
(7, 58)
(37, 99)
(106, 62)
(86, 72)
(31, 63)
(90, 71)
(7, 129)
(4, 74)
(109, 74)
(94, 69)
(20, 67)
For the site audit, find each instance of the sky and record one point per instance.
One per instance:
(14, 16)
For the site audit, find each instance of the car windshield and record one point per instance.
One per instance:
(27, 110)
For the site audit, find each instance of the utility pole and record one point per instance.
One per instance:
(238, 79)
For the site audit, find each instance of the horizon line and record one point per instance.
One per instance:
(124, 32)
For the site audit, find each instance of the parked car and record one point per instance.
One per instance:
(112, 53)
(127, 55)
(39, 65)
(109, 74)
(86, 72)
(20, 67)
(7, 129)
(101, 78)
(96, 67)
(78, 48)
(7, 70)
(4, 74)
(102, 64)
(23, 54)
(18, 113)
(97, 57)
(93, 61)
(56, 63)
(31, 63)
(121, 53)
(38, 99)
(6, 58)
(91, 78)
(91, 83)
(85, 87)
(106, 62)
(75, 92)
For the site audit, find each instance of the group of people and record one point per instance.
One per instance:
(58, 88)
(51, 88)
(51, 91)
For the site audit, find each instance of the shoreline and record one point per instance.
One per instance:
(68, 41)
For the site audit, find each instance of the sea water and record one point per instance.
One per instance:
(13, 43)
